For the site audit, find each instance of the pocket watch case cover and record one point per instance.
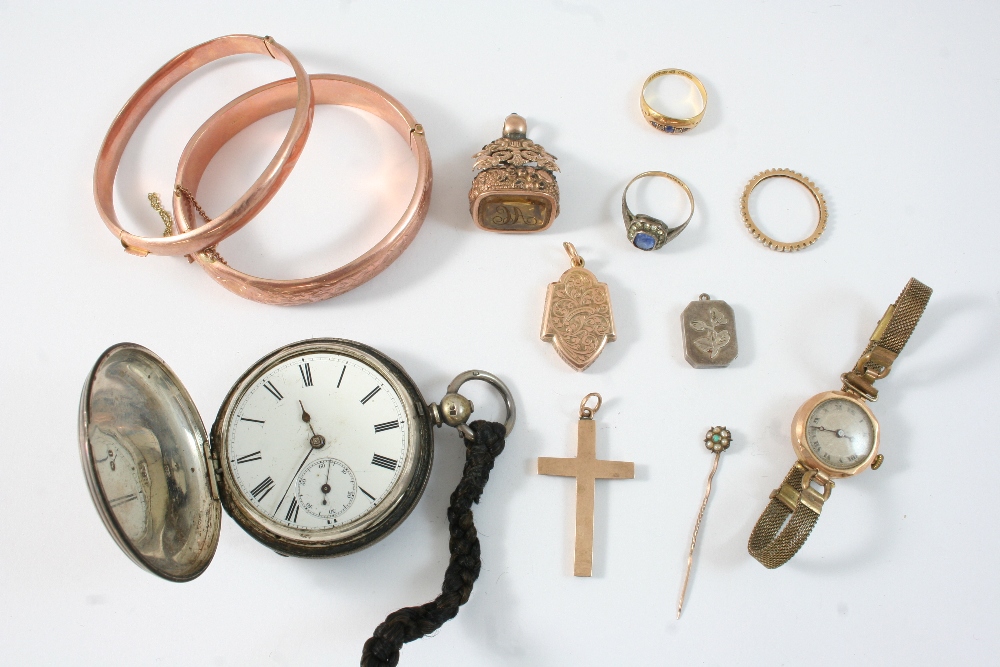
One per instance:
(322, 448)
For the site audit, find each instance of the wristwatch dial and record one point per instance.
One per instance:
(839, 433)
(319, 443)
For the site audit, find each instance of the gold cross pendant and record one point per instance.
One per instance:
(587, 468)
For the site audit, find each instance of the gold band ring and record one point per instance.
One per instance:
(764, 238)
(666, 123)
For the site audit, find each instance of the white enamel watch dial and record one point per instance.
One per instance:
(839, 433)
(308, 416)
(323, 448)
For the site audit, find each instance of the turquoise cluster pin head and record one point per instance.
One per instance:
(718, 438)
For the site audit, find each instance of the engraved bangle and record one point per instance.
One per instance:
(764, 238)
(646, 232)
(128, 119)
(278, 96)
(666, 123)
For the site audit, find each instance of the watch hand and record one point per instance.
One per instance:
(316, 440)
(326, 485)
(308, 454)
(307, 419)
(839, 432)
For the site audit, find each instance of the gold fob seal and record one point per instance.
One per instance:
(515, 189)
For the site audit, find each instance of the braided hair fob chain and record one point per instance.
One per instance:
(484, 442)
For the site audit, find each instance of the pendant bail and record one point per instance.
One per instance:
(574, 256)
(587, 412)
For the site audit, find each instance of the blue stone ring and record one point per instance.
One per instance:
(646, 232)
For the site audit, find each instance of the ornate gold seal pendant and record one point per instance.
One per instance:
(515, 189)
(577, 319)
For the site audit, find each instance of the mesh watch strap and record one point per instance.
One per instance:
(905, 315)
(787, 520)
(888, 340)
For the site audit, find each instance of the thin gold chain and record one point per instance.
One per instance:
(181, 191)
(168, 221)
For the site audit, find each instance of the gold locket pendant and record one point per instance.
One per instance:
(577, 318)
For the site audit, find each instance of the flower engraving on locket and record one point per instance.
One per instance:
(709, 333)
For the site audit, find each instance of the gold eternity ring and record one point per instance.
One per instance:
(764, 238)
(666, 123)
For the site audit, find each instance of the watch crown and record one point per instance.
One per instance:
(877, 463)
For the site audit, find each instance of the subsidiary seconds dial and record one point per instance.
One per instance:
(325, 488)
(317, 442)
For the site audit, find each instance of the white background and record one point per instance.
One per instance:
(890, 107)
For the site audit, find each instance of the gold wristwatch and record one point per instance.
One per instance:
(834, 435)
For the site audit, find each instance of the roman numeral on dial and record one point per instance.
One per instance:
(366, 493)
(384, 462)
(262, 489)
(341, 379)
(274, 390)
(247, 458)
(387, 426)
(292, 515)
(370, 395)
(307, 376)
(255, 421)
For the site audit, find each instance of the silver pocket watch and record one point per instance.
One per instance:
(322, 448)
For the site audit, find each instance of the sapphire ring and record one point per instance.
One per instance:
(663, 122)
(646, 232)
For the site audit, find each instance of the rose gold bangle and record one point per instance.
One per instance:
(253, 199)
(270, 99)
